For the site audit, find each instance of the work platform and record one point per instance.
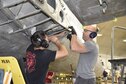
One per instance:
(118, 62)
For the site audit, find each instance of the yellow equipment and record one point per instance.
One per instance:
(10, 64)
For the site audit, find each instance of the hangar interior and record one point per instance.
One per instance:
(19, 19)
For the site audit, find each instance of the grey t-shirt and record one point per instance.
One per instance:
(87, 61)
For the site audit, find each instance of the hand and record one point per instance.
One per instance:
(69, 36)
(72, 30)
(53, 39)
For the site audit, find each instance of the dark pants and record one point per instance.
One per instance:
(80, 80)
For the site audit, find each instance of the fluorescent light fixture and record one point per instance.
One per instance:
(99, 34)
(100, 2)
(115, 19)
(124, 40)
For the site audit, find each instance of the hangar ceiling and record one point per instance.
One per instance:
(97, 11)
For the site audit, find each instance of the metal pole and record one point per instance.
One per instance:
(122, 71)
(51, 28)
(112, 53)
(28, 15)
(14, 4)
(112, 42)
(41, 22)
(119, 27)
(19, 18)
(9, 21)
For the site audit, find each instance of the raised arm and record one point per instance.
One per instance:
(62, 51)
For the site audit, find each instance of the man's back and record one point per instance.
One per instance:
(37, 65)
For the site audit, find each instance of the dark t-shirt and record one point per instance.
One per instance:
(37, 63)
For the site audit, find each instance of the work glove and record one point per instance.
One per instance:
(69, 36)
(73, 30)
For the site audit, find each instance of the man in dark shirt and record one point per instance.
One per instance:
(38, 57)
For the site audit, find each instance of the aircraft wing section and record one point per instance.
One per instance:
(60, 13)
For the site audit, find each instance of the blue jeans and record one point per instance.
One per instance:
(80, 80)
(1, 76)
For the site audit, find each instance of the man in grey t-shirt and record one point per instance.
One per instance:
(88, 54)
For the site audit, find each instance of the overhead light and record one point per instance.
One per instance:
(124, 40)
(104, 5)
(99, 34)
(115, 19)
(100, 2)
